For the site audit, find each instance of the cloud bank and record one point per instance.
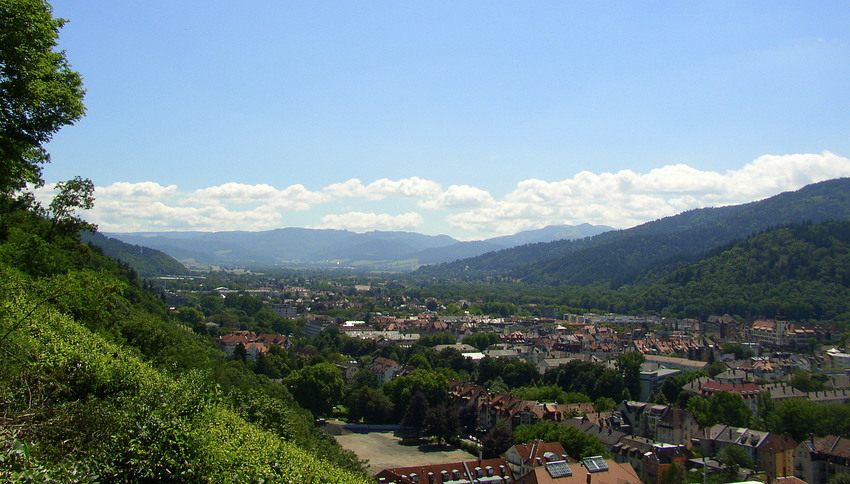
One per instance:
(622, 199)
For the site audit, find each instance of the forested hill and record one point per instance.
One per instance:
(145, 261)
(645, 253)
(101, 384)
(797, 272)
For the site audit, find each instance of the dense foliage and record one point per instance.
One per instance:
(145, 261)
(98, 383)
(39, 92)
(577, 443)
(796, 272)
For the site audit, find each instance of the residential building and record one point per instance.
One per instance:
(522, 458)
(651, 381)
(707, 387)
(284, 310)
(590, 470)
(818, 459)
(770, 453)
(385, 368)
(649, 458)
(661, 423)
(489, 471)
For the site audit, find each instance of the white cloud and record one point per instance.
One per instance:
(360, 221)
(144, 191)
(625, 198)
(148, 206)
(459, 196)
(413, 187)
(619, 199)
(294, 197)
(349, 188)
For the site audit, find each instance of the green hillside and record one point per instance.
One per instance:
(100, 383)
(145, 261)
(796, 272)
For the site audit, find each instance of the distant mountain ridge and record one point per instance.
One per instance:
(645, 253)
(299, 247)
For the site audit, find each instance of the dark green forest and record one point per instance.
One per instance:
(799, 272)
(145, 261)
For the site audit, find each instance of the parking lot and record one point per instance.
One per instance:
(384, 450)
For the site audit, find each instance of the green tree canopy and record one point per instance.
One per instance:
(370, 405)
(317, 388)
(441, 422)
(416, 411)
(39, 92)
(481, 341)
(496, 442)
(577, 443)
(629, 365)
(432, 384)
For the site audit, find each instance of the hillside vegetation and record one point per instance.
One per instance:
(98, 382)
(798, 272)
(145, 261)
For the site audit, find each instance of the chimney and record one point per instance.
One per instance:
(589, 477)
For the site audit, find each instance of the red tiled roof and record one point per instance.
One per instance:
(452, 471)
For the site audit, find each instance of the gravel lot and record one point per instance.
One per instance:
(384, 450)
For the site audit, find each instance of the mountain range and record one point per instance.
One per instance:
(300, 247)
(646, 253)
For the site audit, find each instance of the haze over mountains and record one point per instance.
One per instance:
(299, 247)
(556, 255)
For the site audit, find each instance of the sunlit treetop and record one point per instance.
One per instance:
(39, 92)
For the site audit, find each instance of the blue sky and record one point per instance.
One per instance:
(473, 119)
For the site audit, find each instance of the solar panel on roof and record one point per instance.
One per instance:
(595, 464)
(559, 469)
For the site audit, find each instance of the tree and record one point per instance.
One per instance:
(730, 409)
(548, 393)
(604, 404)
(734, 458)
(496, 442)
(39, 92)
(629, 364)
(839, 478)
(317, 388)
(190, 316)
(468, 417)
(433, 385)
(577, 443)
(420, 361)
(370, 405)
(416, 411)
(481, 341)
(674, 474)
(441, 423)
(239, 353)
(75, 194)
